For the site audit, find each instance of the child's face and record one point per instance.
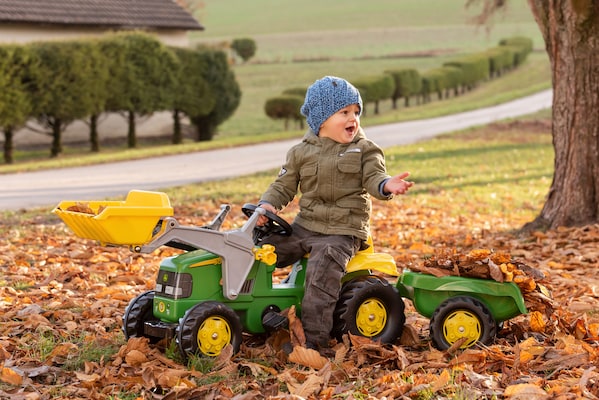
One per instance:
(343, 125)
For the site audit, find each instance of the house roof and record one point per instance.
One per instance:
(132, 14)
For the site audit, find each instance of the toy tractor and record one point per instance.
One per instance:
(222, 284)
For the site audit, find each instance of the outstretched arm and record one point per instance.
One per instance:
(397, 184)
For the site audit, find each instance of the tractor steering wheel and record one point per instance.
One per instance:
(275, 225)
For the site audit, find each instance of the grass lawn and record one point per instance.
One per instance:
(502, 170)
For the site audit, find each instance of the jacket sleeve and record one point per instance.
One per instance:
(374, 171)
(284, 188)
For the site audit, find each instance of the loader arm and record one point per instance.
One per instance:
(235, 247)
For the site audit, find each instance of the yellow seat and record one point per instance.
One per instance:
(367, 259)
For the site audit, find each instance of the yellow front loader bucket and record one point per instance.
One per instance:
(130, 222)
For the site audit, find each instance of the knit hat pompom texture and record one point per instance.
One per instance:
(325, 97)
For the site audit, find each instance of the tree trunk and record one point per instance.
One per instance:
(56, 147)
(131, 136)
(177, 131)
(8, 145)
(93, 134)
(205, 127)
(571, 33)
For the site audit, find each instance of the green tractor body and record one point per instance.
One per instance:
(196, 276)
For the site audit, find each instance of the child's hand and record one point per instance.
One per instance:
(397, 184)
(268, 207)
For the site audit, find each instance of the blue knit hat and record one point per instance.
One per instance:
(325, 97)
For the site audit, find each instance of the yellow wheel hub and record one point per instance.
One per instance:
(371, 318)
(213, 335)
(460, 324)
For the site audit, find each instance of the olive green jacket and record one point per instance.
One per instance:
(335, 180)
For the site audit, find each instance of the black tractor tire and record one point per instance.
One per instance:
(138, 311)
(207, 328)
(371, 307)
(458, 317)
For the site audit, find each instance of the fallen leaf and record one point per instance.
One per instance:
(135, 358)
(525, 391)
(11, 377)
(441, 382)
(537, 324)
(307, 357)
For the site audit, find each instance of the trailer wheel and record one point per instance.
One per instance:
(461, 317)
(370, 307)
(207, 328)
(138, 311)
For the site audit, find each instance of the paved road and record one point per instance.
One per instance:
(48, 188)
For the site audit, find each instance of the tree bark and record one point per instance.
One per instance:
(94, 138)
(177, 130)
(56, 146)
(205, 127)
(570, 29)
(131, 135)
(8, 145)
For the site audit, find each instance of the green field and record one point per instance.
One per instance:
(298, 43)
(286, 30)
(261, 81)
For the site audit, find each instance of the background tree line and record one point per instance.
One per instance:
(133, 74)
(452, 78)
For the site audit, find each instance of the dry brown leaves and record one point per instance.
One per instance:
(69, 292)
(500, 267)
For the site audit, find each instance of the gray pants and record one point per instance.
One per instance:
(329, 255)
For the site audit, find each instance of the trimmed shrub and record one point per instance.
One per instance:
(522, 46)
(147, 80)
(285, 107)
(475, 69)
(193, 96)
(64, 85)
(244, 47)
(296, 91)
(15, 100)
(451, 80)
(374, 89)
(521, 41)
(223, 88)
(501, 59)
(408, 82)
(431, 83)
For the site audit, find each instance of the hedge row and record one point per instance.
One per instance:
(57, 83)
(453, 77)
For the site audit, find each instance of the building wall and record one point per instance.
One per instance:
(23, 33)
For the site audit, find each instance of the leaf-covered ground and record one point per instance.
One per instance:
(62, 299)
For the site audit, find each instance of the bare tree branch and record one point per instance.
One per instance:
(489, 9)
